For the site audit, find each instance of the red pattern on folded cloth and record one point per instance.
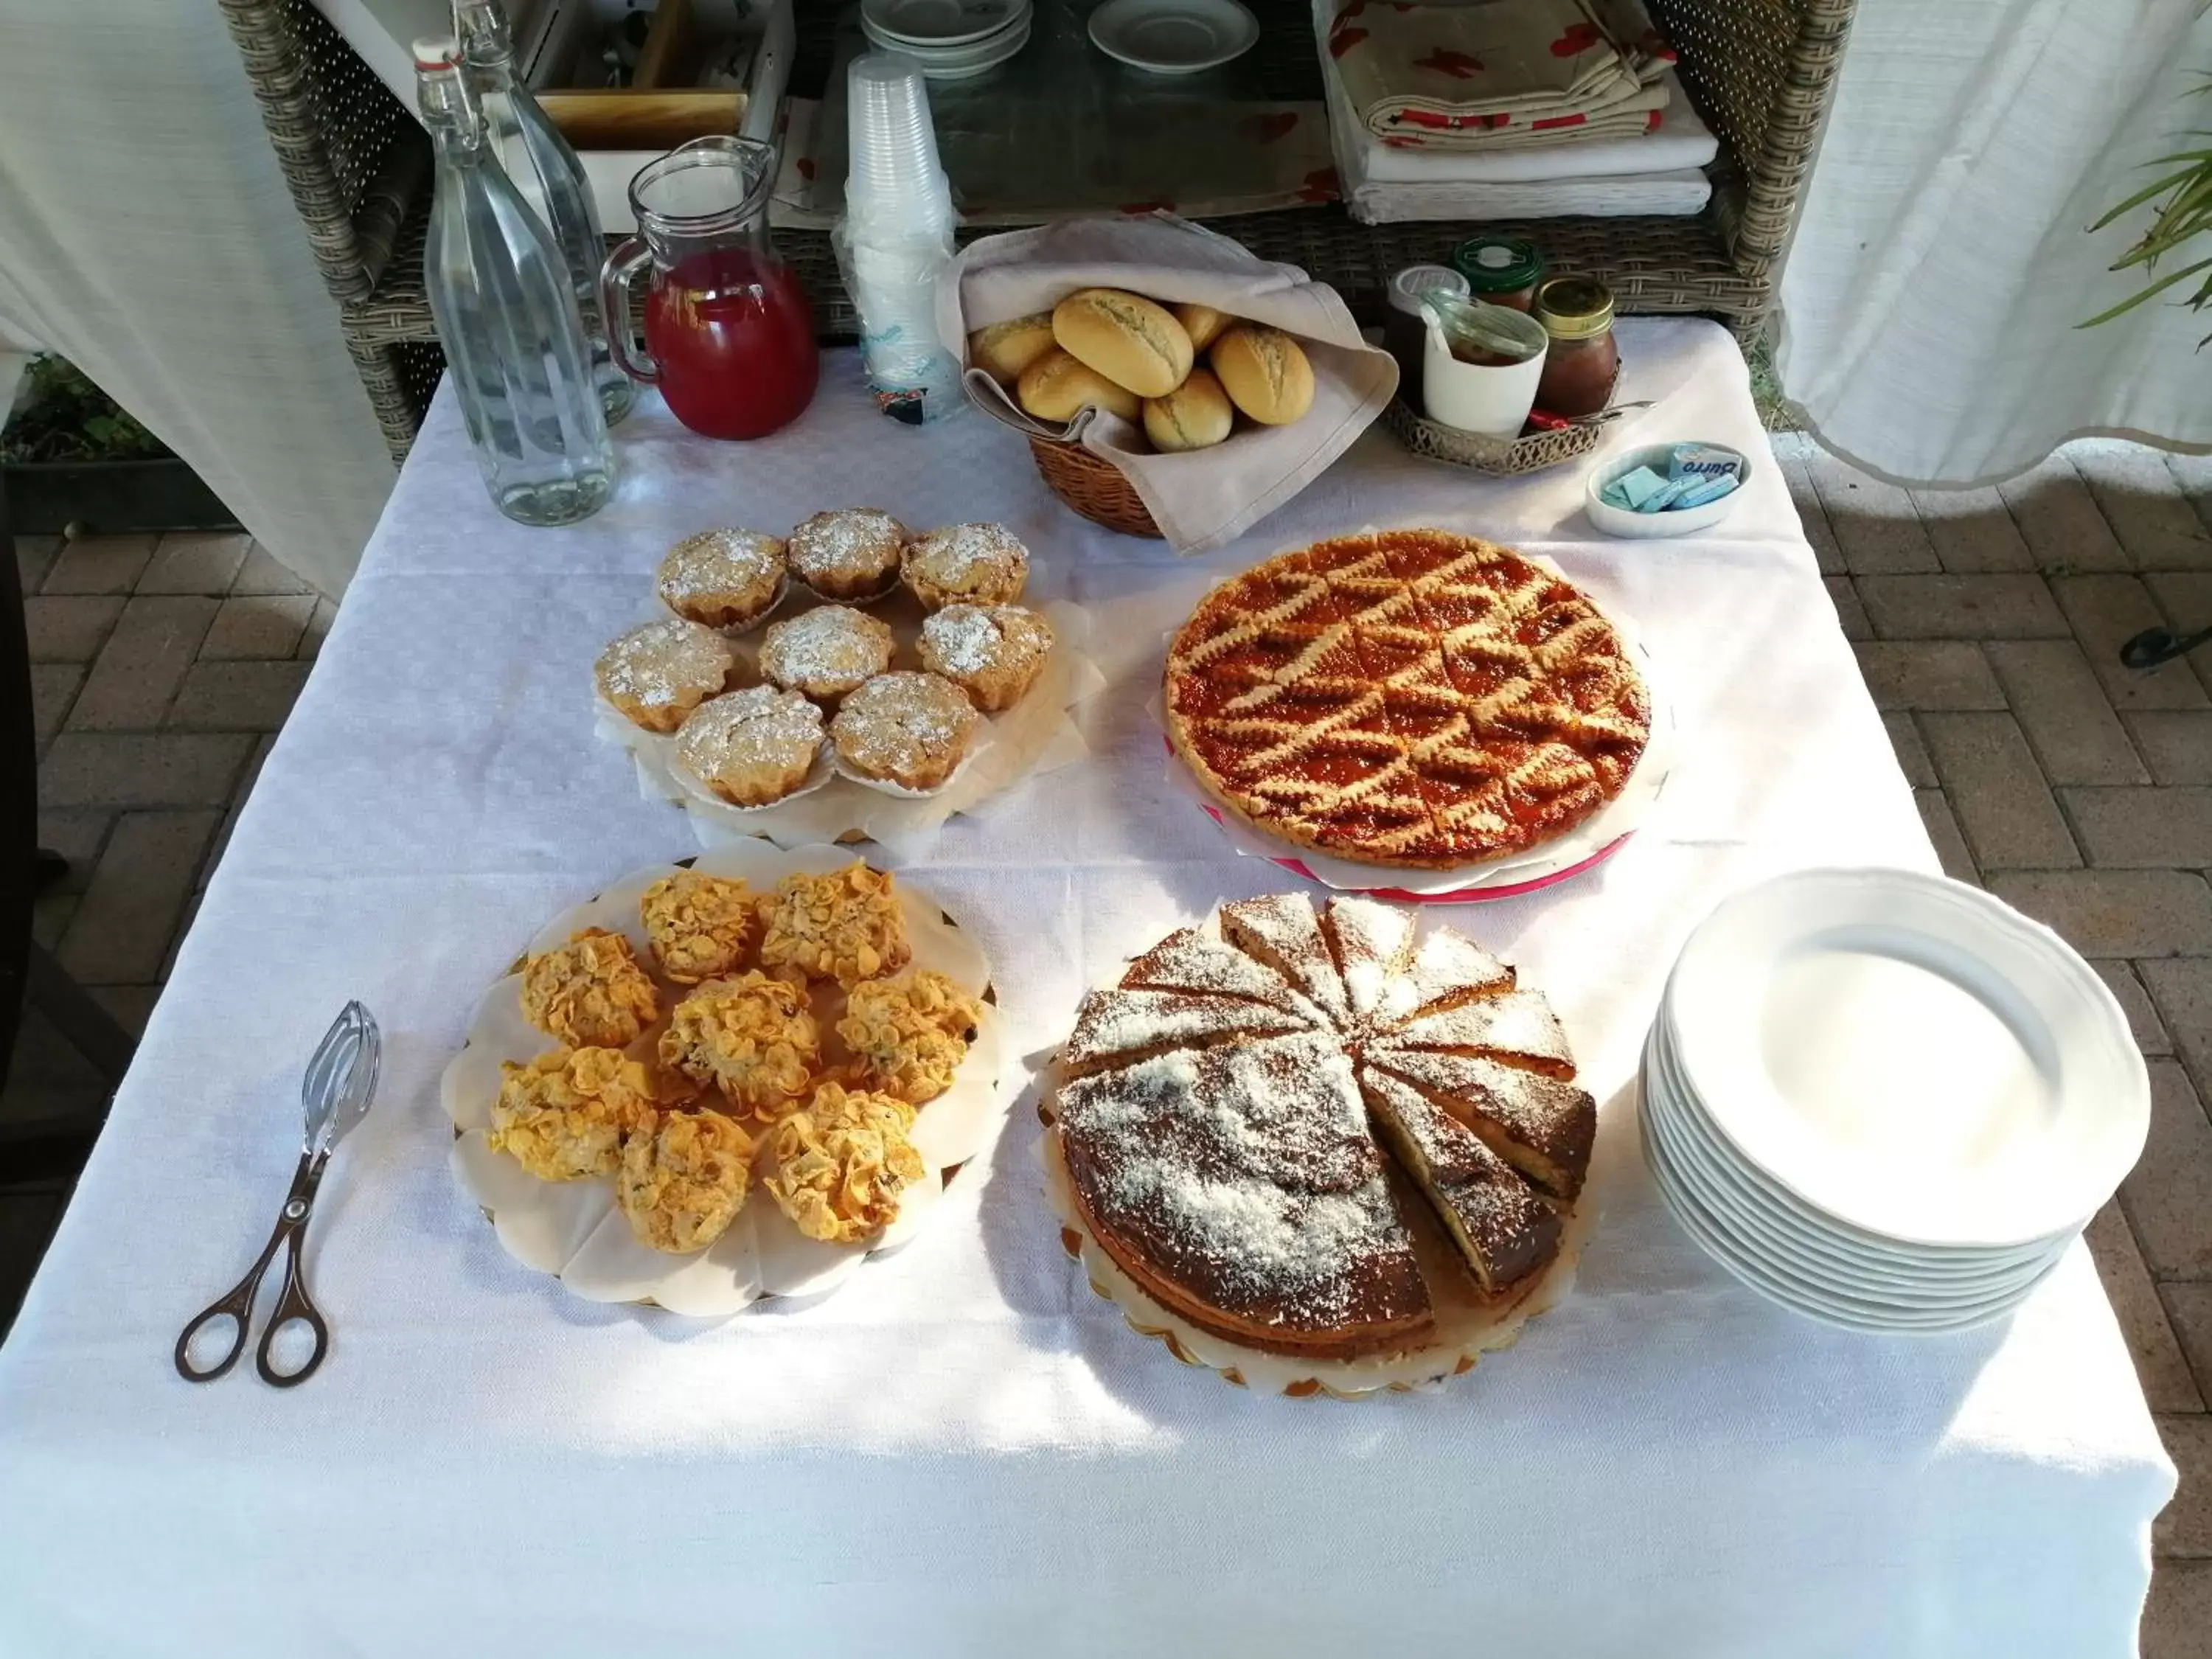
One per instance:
(1500, 75)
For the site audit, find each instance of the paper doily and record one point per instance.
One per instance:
(1037, 734)
(573, 1229)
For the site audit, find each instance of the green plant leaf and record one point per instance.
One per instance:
(2141, 197)
(2156, 287)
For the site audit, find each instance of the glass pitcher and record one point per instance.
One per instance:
(728, 334)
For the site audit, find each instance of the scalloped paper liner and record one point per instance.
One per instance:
(1038, 734)
(1587, 845)
(575, 1230)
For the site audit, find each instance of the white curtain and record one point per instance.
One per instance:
(146, 234)
(1942, 259)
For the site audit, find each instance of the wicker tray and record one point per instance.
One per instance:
(1094, 487)
(1502, 457)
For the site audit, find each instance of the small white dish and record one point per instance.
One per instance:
(1174, 37)
(1678, 521)
(934, 23)
(966, 63)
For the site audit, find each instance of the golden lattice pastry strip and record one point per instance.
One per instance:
(562, 1115)
(845, 925)
(841, 1163)
(909, 1033)
(683, 1179)
(589, 992)
(751, 1036)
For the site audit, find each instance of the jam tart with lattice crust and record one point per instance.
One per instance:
(1410, 698)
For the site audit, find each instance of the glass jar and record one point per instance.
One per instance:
(1405, 327)
(1582, 362)
(1504, 270)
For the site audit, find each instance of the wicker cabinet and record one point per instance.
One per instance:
(1761, 71)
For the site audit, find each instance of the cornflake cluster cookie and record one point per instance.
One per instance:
(971, 564)
(699, 926)
(589, 992)
(659, 673)
(752, 747)
(683, 1180)
(562, 1115)
(827, 651)
(992, 653)
(911, 1033)
(841, 1163)
(909, 730)
(750, 1037)
(852, 553)
(844, 926)
(725, 579)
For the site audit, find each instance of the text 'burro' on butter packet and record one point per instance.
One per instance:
(1700, 461)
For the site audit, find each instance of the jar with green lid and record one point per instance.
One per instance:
(1583, 362)
(1504, 270)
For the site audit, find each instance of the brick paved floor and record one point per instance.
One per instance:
(161, 671)
(1987, 623)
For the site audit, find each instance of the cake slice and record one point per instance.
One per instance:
(1449, 968)
(1120, 1026)
(1370, 942)
(1282, 931)
(1241, 1189)
(1192, 959)
(1518, 1028)
(1542, 1127)
(1505, 1232)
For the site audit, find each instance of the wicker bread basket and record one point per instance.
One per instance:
(1094, 487)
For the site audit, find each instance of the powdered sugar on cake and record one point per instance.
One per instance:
(1253, 1162)
(829, 645)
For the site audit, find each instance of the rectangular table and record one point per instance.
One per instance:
(963, 1451)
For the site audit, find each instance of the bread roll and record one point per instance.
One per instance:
(1126, 337)
(1202, 323)
(1004, 349)
(1196, 415)
(1265, 372)
(1056, 385)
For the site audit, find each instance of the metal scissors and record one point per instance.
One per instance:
(334, 1093)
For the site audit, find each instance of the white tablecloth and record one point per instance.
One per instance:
(963, 1451)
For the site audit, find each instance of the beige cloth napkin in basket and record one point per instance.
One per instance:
(1206, 497)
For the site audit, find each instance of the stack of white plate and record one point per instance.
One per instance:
(952, 40)
(1887, 1100)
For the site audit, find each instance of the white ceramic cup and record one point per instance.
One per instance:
(1472, 397)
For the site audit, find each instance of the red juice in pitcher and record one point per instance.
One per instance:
(733, 338)
(729, 338)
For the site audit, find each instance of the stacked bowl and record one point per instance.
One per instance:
(1887, 1100)
(952, 40)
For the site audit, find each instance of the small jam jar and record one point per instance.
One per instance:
(1405, 326)
(1503, 270)
(1582, 360)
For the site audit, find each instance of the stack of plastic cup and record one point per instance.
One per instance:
(896, 238)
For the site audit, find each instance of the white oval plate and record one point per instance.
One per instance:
(1647, 526)
(1174, 37)
(1910, 1055)
(940, 22)
(572, 1229)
